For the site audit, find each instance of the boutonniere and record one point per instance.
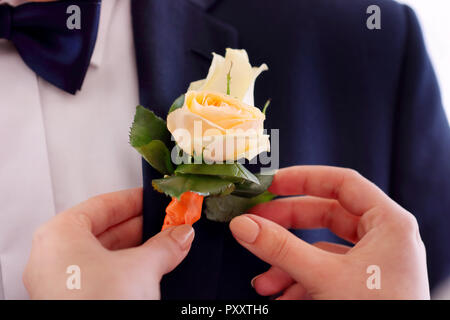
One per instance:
(210, 129)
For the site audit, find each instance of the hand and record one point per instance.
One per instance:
(101, 236)
(384, 234)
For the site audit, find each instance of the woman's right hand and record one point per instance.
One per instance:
(385, 235)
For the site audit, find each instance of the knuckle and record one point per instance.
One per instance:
(40, 234)
(407, 223)
(327, 217)
(104, 203)
(406, 226)
(26, 277)
(369, 219)
(412, 226)
(334, 206)
(99, 201)
(280, 248)
(165, 244)
(114, 240)
(419, 240)
(352, 174)
(347, 179)
(411, 222)
(82, 220)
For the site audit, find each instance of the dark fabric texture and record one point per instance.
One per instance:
(53, 51)
(342, 95)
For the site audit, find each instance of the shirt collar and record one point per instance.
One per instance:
(106, 15)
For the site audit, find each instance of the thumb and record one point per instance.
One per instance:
(167, 249)
(279, 247)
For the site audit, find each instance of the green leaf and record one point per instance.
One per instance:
(149, 136)
(177, 104)
(157, 155)
(175, 186)
(250, 189)
(235, 172)
(223, 209)
(147, 127)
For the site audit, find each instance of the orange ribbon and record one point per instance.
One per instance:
(187, 210)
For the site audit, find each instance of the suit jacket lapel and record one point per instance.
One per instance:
(174, 40)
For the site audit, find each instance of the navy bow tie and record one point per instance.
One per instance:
(55, 39)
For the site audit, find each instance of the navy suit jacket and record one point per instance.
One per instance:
(342, 95)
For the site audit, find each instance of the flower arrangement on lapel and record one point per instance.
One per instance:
(214, 126)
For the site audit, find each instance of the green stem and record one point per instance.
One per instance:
(229, 79)
(266, 106)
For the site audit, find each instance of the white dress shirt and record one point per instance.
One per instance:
(58, 149)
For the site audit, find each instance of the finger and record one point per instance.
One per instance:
(279, 247)
(294, 292)
(124, 235)
(162, 253)
(310, 213)
(332, 247)
(354, 192)
(104, 211)
(272, 281)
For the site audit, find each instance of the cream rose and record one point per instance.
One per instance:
(218, 126)
(222, 127)
(243, 76)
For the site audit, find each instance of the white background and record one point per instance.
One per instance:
(434, 16)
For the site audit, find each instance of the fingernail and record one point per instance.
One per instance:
(252, 282)
(183, 235)
(244, 229)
